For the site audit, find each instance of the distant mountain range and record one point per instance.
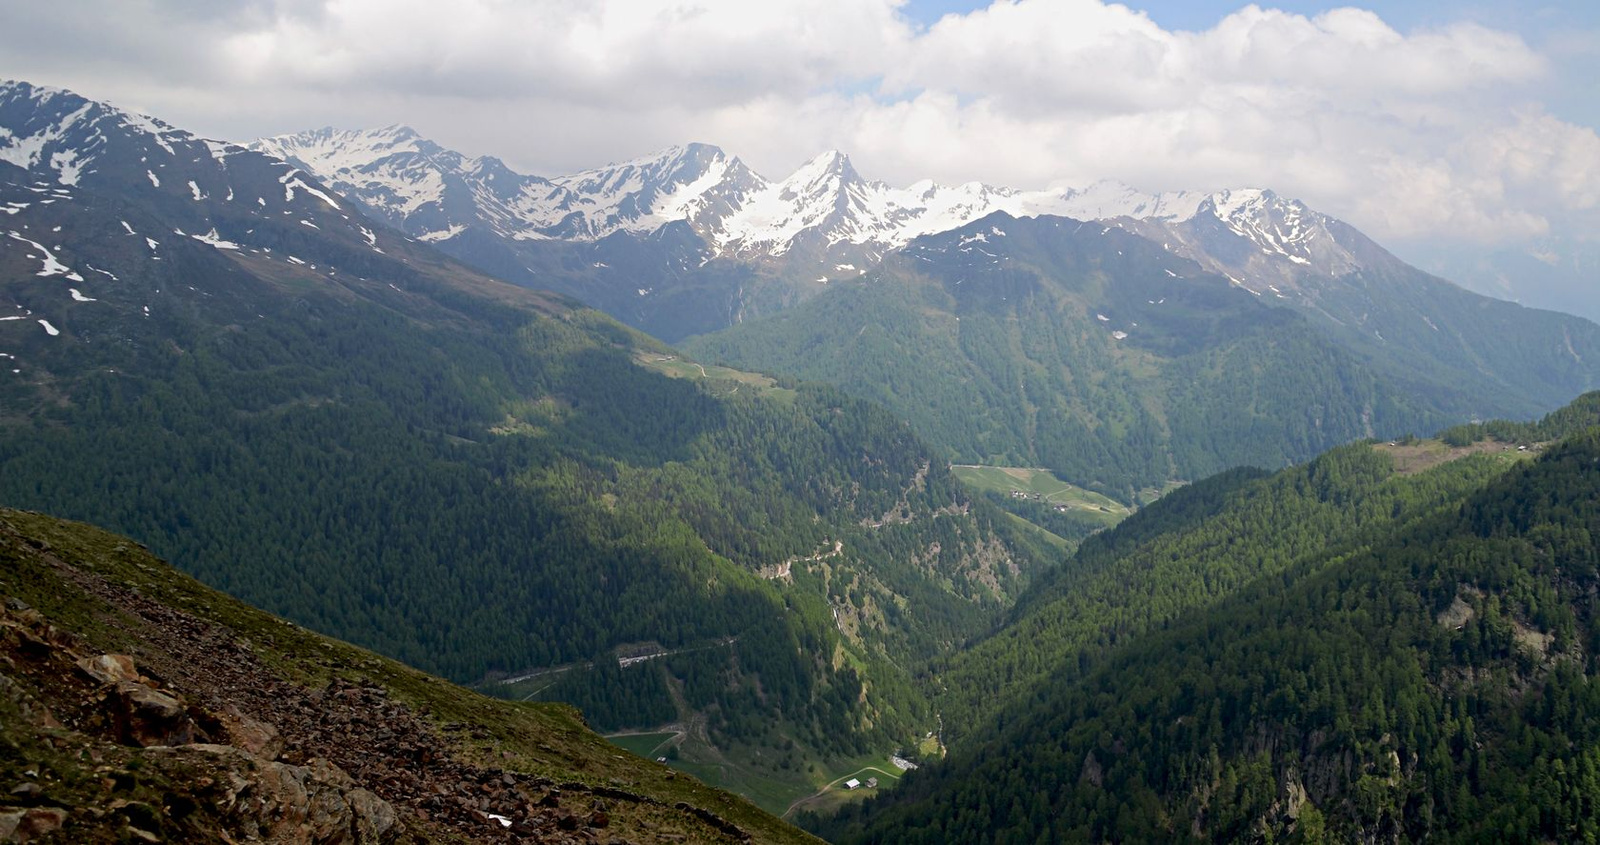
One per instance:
(1132, 350)
(700, 210)
(824, 209)
(691, 241)
(1559, 273)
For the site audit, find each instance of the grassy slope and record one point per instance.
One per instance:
(1041, 481)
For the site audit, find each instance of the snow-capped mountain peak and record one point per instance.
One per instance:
(1273, 224)
(1228, 204)
(697, 183)
(830, 171)
(1107, 199)
(106, 214)
(78, 141)
(51, 127)
(1280, 228)
(1260, 240)
(656, 173)
(392, 170)
(435, 193)
(827, 209)
(824, 212)
(342, 151)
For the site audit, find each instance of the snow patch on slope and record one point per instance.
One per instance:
(52, 265)
(291, 182)
(215, 240)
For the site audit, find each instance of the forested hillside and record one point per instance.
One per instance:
(1194, 548)
(1085, 349)
(1111, 359)
(1426, 678)
(476, 502)
(1201, 543)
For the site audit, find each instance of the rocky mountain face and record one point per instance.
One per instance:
(140, 706)
(1255, 238)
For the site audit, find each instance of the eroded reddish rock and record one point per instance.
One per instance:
(109, 668)
(147, 717)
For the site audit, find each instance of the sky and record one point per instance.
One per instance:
(1419, 121)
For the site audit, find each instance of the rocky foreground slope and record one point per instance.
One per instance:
(138, 705)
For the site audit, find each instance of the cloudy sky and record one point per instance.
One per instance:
(1421, 121)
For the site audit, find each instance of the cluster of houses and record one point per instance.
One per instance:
(1038, 497)
(899, 762)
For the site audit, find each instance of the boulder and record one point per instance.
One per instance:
(251, 734)
(147, 717)
(109, 668)
(372, 818)
(29, 825)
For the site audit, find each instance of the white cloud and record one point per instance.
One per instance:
(1340, 109)
(1352, 51)
(1423, 134)
(619, 53)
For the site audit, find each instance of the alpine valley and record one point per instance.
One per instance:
(868, 513)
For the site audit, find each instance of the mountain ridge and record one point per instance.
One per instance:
(1019, 341)
(754, 215)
